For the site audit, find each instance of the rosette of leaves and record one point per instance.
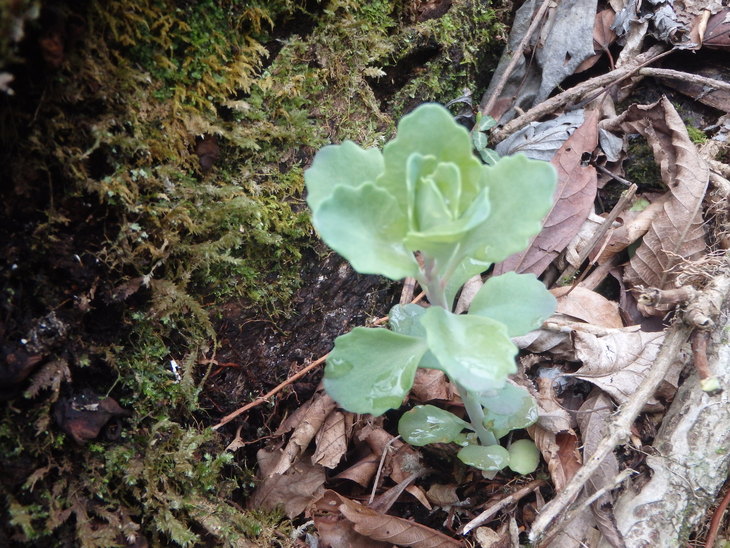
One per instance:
(427, 195)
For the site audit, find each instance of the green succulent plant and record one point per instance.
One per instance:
(427, 208)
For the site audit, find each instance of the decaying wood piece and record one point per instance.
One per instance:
(691, 460)
(554, 513)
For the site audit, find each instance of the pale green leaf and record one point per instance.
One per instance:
(448, 180)
(366, 226)
(432, 238)
(479, 140)
(474, 351)
(485, 123)
(491, 458)
(524, 457)
(406, 320)
(430, 130)
(468, 268)
(489, 156)
(426, 424)
(372, 370)
(509, 408)
(519, 301)
(430, 206)
(520, 192)
(346, 164)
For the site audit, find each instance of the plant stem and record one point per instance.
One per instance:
(476, 415)
(434, 285)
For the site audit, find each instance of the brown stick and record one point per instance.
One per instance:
(554, 513)
(576, 93)
(708, 382)
(626, 196)
(516, 55)
(716, 519)
(258, 401)
(497, 506)
(685, 77)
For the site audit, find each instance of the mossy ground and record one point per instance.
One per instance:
(152, 157)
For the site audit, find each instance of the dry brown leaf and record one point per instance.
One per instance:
(677, 233)
(402, 459)
(331, 440)
(603, 37)
(385, 528)
(487, 538)
(335, 531)
(363, 471)
(717, 32)
(543, 340)
(635, 225)
(618, 362)
(594, 416)
(443, 495)
(554, 436)
(577, 185)
(587, 305)
(311, 420)
(431, 384)
(293, 490)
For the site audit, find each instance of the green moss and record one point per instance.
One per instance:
(640, 166)
(467, 41)
(697, 136)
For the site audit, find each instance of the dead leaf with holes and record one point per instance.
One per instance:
(577, 187)
(618, 362)
(677, 233)
(344, 522)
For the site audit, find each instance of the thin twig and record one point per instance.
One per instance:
(626, 197)
(409, 286)
(383, 456)
(258, 401)
(496, 507)
(516, 56)
(685, 77)
(617, 480)
(575, 93)
(708, 382)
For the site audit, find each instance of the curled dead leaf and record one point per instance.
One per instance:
(378, 528)
(677, 233)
